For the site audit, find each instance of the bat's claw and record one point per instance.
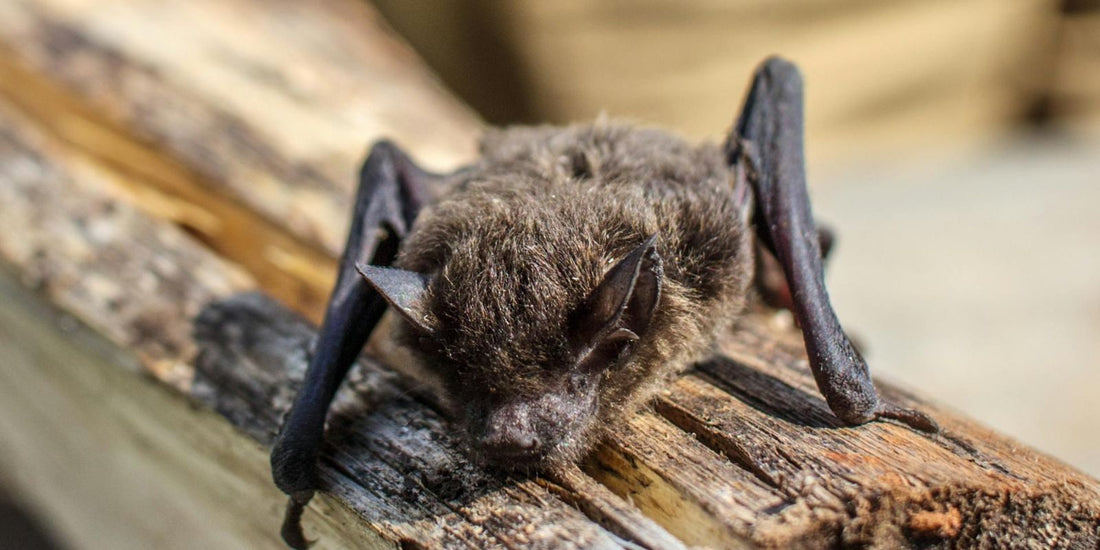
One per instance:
(910, 417)
(291, 531)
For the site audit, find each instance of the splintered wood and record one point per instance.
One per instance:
(157, 159)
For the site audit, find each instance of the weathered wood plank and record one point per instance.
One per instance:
(696, 494)
(132, 278)
(272, 103)
(117, 461)
(882, 481)
(158, 184)
(96, 445)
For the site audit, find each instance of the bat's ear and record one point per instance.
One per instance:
(624, 300)
(402, 289)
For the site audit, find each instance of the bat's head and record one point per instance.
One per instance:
(531, 347)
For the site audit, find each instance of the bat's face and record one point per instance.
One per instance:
(513, 426)
(543, 410)
(526, 359)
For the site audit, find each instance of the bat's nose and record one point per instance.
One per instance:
(506, 440)
(508, 434)
(513, 447)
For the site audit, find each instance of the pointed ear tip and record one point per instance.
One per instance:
(646, 246)
(365, 269)
(649, 247)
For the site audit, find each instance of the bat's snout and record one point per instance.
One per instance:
(510, 441)
(521, 432)
(508, 434)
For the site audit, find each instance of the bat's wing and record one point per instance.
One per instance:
(767, 148)
(391, 192)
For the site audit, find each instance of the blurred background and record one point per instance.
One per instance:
(954, 146)
(884, 78)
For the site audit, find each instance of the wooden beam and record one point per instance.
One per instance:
(113, 460)
(270, 103)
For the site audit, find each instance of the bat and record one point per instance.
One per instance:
(570, 272)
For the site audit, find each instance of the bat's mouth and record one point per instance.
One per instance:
(520, 451)
(513, 461)
(527, 460)
(517, 450)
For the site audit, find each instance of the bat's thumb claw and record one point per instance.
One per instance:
(291, 531)
(910, 417)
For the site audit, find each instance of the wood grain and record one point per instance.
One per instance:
(271, 103)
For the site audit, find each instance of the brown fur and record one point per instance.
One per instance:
(528, 232)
